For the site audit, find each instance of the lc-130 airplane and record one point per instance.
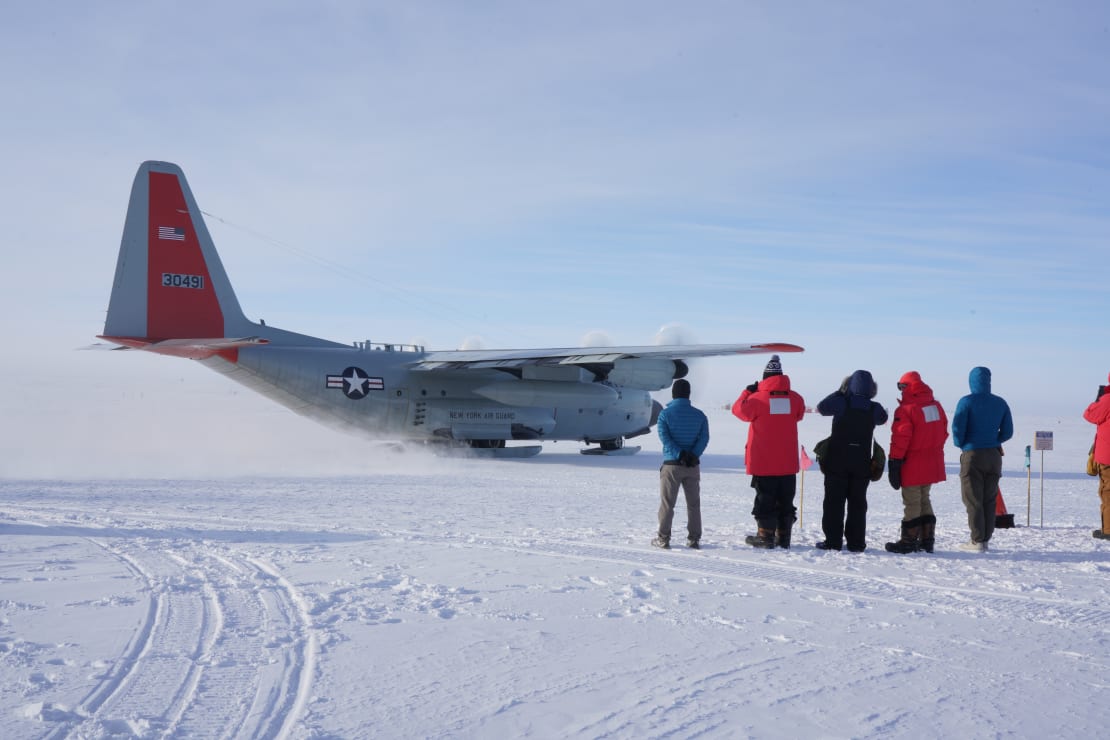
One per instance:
(171, 296)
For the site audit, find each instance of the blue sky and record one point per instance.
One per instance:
(893, 186)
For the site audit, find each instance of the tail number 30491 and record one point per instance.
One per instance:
(175, 280)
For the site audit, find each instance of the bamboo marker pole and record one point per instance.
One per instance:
(1028, 489)
(802, 502)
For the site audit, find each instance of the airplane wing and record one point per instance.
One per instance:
(504, 359)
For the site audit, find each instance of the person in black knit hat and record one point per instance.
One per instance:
(774, 367)
(684, 432)
(773, 411)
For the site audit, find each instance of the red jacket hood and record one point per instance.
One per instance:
(775, 383)
(911, 377)
(917, 391)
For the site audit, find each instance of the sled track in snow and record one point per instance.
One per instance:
(965, 601)
(224, 649)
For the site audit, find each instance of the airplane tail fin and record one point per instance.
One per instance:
(170, 284)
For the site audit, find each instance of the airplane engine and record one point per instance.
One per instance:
(646, 374)
(548, 393)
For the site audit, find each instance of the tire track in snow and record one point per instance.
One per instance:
(225, 648)
(151, 686)
(283, 702)
(123, 668)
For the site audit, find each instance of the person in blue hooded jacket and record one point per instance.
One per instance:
(981, 424)
(684, 432)
(846, 461)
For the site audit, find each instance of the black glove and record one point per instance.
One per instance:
(753, 387)
(1101, 392)
(894, 473)
(689, 459)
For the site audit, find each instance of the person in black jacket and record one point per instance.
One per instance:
(846, 461)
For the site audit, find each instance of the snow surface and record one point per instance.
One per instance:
(477, 598)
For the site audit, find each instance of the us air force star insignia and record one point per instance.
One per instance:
(355, 381)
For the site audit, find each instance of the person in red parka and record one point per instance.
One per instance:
(1099, 413)
(916, 461)
(771, 453)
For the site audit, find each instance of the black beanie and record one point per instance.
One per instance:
(773, 367)
(680, 389)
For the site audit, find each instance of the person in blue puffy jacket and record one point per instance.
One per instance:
(684, 432)
(981, 424)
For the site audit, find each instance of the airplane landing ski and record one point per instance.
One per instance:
(617, 452)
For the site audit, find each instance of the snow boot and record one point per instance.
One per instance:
(928, 530)
(662, 542)
(782, 538)
(911, 538)
(1098, 534)
(765, 539)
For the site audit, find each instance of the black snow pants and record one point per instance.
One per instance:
(774, 501)
(845, 490)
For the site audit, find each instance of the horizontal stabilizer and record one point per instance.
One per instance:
(193, 349)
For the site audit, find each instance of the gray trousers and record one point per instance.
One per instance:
(670, 478)
(980, 471)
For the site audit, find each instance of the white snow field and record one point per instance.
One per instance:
(476, 598)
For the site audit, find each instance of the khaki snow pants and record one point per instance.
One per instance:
(915, 500)
(1104, 495)
(671, 477)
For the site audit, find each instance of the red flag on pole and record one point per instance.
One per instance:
(805, 461)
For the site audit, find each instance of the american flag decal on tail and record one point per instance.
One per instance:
(173, 233)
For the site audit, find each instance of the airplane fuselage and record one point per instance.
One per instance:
(375, 391)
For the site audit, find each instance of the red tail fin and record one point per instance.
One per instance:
(169, 281)
(181, 297)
